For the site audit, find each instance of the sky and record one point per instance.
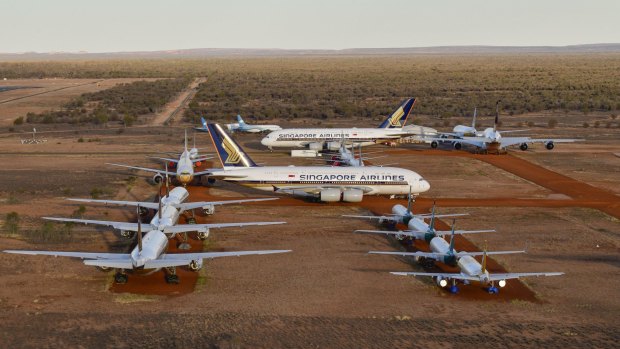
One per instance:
(140, 25)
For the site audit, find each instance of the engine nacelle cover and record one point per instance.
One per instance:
(441, 281)
(209, 209)
(158, 178)
(330, 195)
(333, 145)
(315, 146)
(352, 195)
(195, 265)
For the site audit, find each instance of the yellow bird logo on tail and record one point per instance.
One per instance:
(395, 118)
(233, 153)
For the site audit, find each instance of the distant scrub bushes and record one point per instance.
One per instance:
(123, 103)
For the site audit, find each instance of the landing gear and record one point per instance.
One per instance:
(549, 146)
(120, 277)
(434, 144)
(523, 146)
(492, 289)
(458, 146)
(454, 289)
(184, 245)
(202, 236)
(171, 276)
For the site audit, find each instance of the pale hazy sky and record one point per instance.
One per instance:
(145, 25)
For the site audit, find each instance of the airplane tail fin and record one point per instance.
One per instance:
(185, 139)
(496, 116)
(398, 118)
(473, 122)
(240, 120)
(204, 122)
(431, 225)
(452, 238)
(230, 153)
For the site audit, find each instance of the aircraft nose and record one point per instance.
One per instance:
(265, 141)
(424, 185)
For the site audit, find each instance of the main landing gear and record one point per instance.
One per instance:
(493, 289)
(171, 275)
(120, 277)
(454, 289)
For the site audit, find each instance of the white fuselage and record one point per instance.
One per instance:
(154, 244)
(185, 168)
(302, 137)
(468, 264)
(465, 131)
(379, 180)
(169, 214)
(237, 127)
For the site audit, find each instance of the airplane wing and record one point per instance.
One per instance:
(82, 255)
(457, 276)
(415, 233)
(144, 169)
(152, 205)
(497, 277)
(474, 254)
(207, 255)
(379, 218)
(411, 254)
(202, 159)
(192, 205)
(429, 215)
(508, 141)
(316, 189)
(183, 228)
(218, 174)
(116, 225)
(165, 159)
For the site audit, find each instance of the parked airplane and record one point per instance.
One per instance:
(329, 184)
(391, 129)
(492, 140)
(241, 126)
(471, 269)
(184, 167)
(148, 254)
(404, 215)
(169, 208)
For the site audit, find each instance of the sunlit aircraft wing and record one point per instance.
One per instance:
(217, 174)
(152, 205)
(207, 255)
(497, 277)
(144, 169)
(165, 159)
(193, 205)
(474, 254)
(82, 255)
(414, 233)
(116, 225)
(183, 228)
(379, 218)
(457, 276)
(410, 254)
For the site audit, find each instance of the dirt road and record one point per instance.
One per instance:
(175, 106)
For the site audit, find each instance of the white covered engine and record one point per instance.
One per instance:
(352, 195)
(330, 195)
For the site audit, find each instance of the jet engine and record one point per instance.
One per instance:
(203, 235)
(127, 234)
(158, 178)
(352, 195)
(195, 265)
(549, 145)
(330, 195)
(458, 146)
(209, 209)
(315, 146)
(333, 146)
(523, 146)
(198, 164)
(441, 281)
